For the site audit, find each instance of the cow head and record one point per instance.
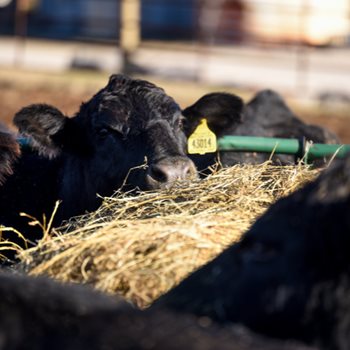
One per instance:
(223, 112)
(296, 252)
(130, 133)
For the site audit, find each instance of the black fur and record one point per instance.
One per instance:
(39, 314)
(127, 123)
(289, 275)
(9, 152)
(222, 111)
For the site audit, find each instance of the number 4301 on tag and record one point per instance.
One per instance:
(203, 140)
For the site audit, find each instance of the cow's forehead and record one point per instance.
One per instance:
(136, 107)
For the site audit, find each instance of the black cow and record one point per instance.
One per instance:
(289, 275)
(265, 115)
(9, 152)
(39, 314)
(100, 149)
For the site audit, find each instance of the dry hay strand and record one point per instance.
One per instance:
(142, 246)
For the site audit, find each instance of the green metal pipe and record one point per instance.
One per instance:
(319, 150)
(296, 147)
(259, 144)
(299, 148)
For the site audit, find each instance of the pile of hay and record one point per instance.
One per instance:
(141, 246)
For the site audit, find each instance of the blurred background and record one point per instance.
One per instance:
(62, 51)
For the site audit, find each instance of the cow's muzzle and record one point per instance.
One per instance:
(164, 173)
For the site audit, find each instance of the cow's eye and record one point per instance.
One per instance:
(103, 132)
(180, 123)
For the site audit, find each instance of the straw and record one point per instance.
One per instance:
(140, 246)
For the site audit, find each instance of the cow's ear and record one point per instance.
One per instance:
(117, 82)
(45, 125)
(9, 152)
(223, 112)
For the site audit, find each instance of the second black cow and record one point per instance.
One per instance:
(266, 115)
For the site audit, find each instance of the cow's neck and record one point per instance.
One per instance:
(77, 189)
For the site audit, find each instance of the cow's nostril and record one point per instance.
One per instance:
(159, 173)
(190, 170)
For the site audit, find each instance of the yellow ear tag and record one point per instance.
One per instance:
(203, 140)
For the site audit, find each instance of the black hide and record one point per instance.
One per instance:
(9, 152)
(39, 314)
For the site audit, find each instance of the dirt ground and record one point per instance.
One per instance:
(67, 91)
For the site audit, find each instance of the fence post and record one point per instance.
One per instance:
(303, 59)
(130, 31)
(21, 18)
